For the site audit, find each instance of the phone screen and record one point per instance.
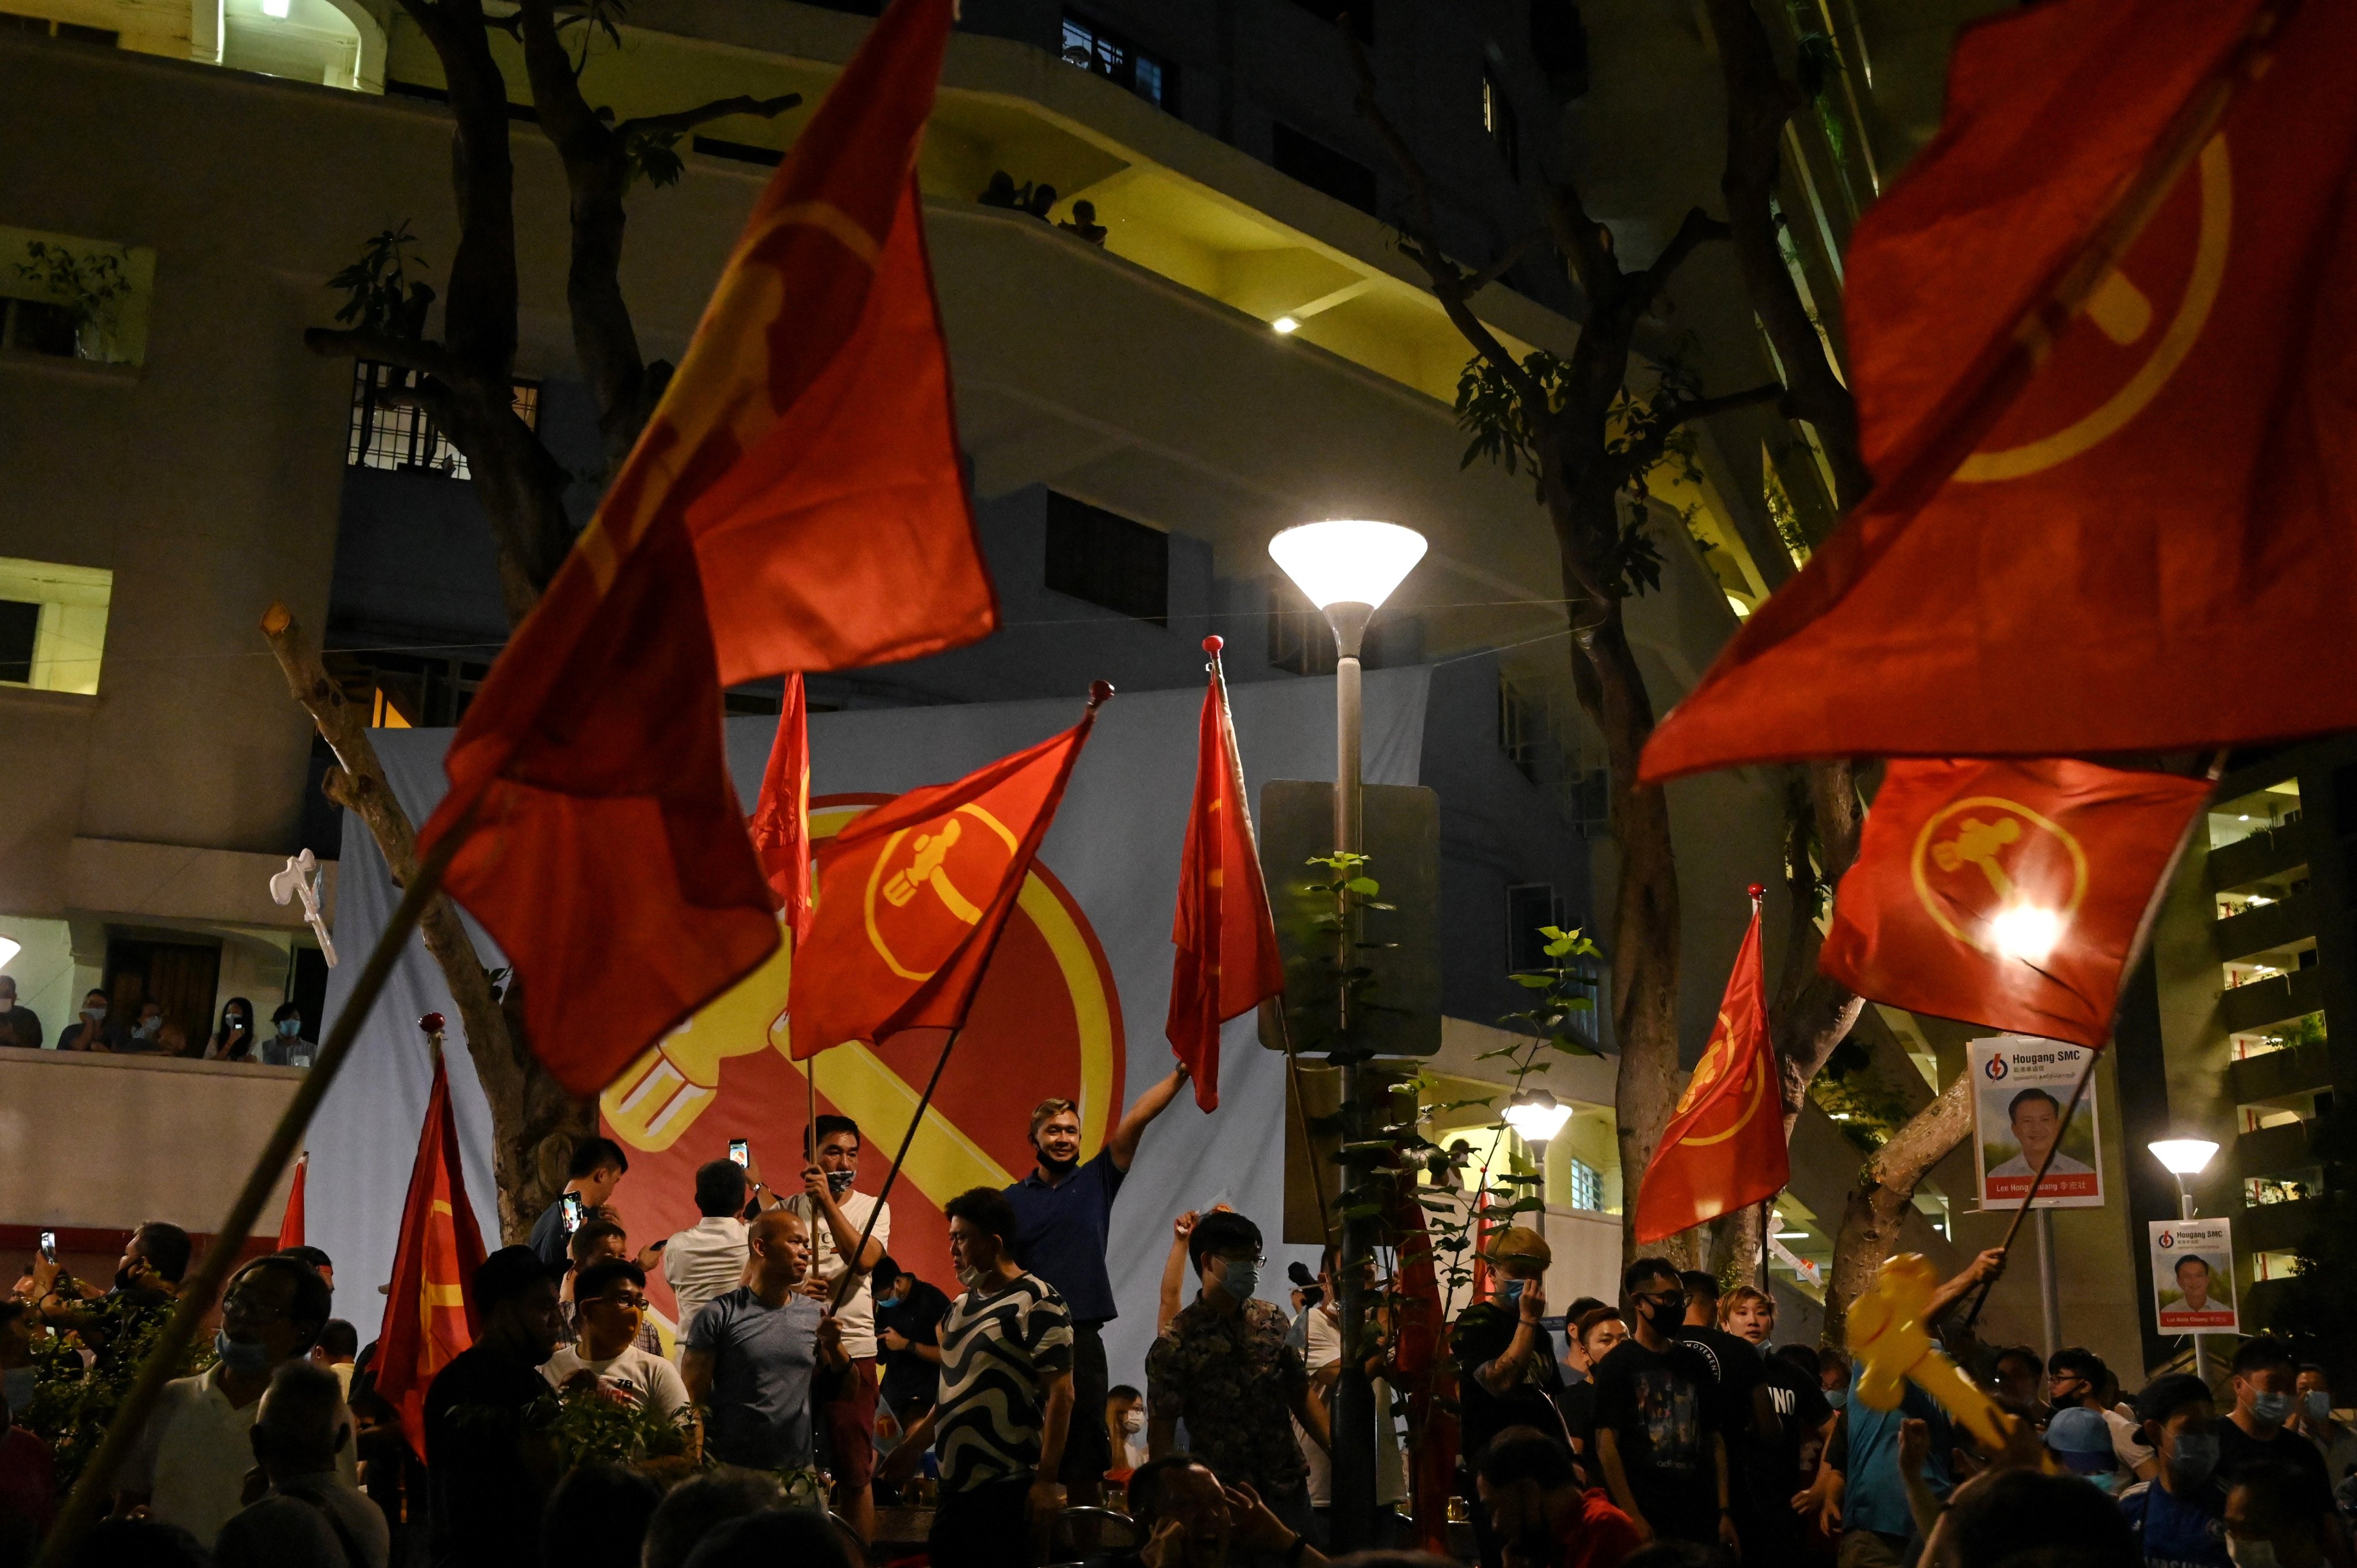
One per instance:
(572, 1212)
(737, 1150)
(49, 1246)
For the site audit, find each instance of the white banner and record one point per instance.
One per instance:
(2019, 1087)
(2193, 1276)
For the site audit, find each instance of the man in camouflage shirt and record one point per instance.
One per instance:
(1214, 1367)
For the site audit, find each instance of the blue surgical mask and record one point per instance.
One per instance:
(290, 1028)
(1513, 1292)
(1242, 1278)
(2193, 1458)
(2272, 1408)
(17, 1385)
(1837, 1398)
(247, 1358)
(2317, 1404)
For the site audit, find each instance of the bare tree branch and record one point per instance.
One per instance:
(1879, 1204)
(1698, 228)
(704, 114)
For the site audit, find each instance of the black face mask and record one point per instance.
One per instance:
(1056, 1167)
(1666, 1317)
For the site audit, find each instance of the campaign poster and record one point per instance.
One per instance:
(2019, 1087)
(2193, 1276)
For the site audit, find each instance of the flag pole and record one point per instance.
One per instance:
(1100, 691)
(2137, 947)
(196, 1297)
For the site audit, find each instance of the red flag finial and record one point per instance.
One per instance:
(1099, 692)
(431, 1023)
(1211, 645)
(1757, 891)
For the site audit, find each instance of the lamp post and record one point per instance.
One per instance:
(1537, 1116)
(2183, 1157)
(1348, 568)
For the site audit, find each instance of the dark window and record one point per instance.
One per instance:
(82, 35)
(1359, 15)
(1522, 728)
(1559, 45)
(38, 327)
(743, 151)
(408, 691)
(1108, 560)
(1092, 48)
(10, 21)
(1320, 168)
(181, 977)
(1528, 907)
(20, 625)
(309, 991)
(389, 430)
(1498, 119)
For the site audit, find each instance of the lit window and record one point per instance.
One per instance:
(1498, 120)
(1093, 48)
(389, 430)
(52, 625)
(1586, 1186)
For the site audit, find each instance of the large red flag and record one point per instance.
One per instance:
(428, 1318)
(2007, 893)
(1227, 961)
(912, 895)
(796, 502)
(2114, 502)
(1724, 1148)
(780, 824)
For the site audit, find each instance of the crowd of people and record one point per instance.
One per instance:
(151, 1031)
(810, 1366)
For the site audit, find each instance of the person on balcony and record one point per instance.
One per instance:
(19, 1026)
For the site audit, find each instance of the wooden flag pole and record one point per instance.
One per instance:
(88, 1498)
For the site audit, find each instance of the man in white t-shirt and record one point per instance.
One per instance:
(611, 1297)
(1318, 1332)
(2036, 1118)
(709, 1260)
(837, 1216)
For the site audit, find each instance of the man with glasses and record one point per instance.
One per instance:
(2076, 1377)
(609, 1304)
(189, 1467)
(1659, 1432)
(1223, 1367)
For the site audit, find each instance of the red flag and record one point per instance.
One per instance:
(428, 1318)
(290, 1225)
(796, 502)
(2114, 502)
(1227, 961)
(1724, 1148)
(2007, 893)
(781, 817)
(911, 896)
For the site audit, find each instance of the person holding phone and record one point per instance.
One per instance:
(598, 1166)
(709, 1258)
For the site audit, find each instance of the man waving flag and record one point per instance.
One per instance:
(797, 502)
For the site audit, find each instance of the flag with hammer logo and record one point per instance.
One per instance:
(2100, 331)
(796, 502)
(912, 897)
(2007, 893)
(1227, 961)
(1724, 1148)
(428, 1317)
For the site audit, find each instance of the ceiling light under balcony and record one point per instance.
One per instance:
(1285, 324)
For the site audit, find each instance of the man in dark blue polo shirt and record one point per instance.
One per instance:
(1062, 1213)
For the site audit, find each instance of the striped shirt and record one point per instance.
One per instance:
(997, 1353)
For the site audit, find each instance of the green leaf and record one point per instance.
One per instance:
(1532, 982)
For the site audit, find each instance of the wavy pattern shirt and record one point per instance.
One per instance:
(997, 1352)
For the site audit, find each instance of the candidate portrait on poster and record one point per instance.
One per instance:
(2193, 1276)
(2020, 1086)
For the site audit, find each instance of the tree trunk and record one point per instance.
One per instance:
(534, 1123)
(1886, 1188)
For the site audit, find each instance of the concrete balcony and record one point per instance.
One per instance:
(2261, 855)
(2247, 1008)
(2265, 929)
(2275, 1227)
(2274, 1151)
(2276, 1074)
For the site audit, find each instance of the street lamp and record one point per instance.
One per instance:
(1537, 1116)
(1348, 568)
(9, 949)
(2183, 1157)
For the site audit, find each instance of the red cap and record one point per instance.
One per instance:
(1758, 892)
(431, 1023)
(1211, 645)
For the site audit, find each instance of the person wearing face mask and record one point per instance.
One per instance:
(1224, 1368)
(189, 1467)
(1660, 1433)
(2272, 1520)
(1506, 1374)
(309, 1517)
(288, 1047)
(1063, 1215)
(1126, 1422)
(147, 1284)
(91, 1032)
(2312, 1419)
(2265, 1383)
(908, 1336)
(2179, 1517)
(834, 1216)
(19, 1026)
(234, 1041)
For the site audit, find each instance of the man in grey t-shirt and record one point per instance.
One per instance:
(751, 1353)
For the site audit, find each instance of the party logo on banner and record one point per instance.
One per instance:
(1046, 1024)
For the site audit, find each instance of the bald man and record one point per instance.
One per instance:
(752, 1351)
(310, 1514)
